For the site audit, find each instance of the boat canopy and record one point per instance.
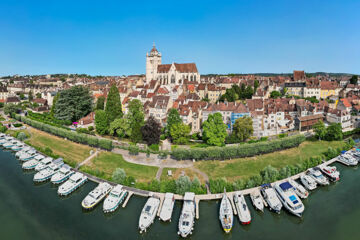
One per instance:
(285, 186)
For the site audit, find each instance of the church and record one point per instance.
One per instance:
(169, 74)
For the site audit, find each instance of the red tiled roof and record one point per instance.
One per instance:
(345, 102)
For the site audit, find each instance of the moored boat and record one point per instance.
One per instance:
(257, 200)
(114, 199)
(242, 208)
(96, 195)
(271, 198)
(24, 150)
(347, 160)
(167, 207)
(75, 181)
(43, 163)
(330, 172)
(187, 216)
(299, 189)
(48, 172)
(226, 214)
(316, 174)
(28, 155)
(62, 175)
(18, 147)
(289, 199)
(29, 165)
(308, 182)
(148, 213)
(10, 144)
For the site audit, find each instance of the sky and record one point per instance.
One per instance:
(243, 36)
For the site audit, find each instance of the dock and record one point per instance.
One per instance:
(197, 207)
(127, 198)
(161, 197)
(231, 198)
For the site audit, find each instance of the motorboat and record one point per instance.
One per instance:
(114, 199)
(242, 208)
(226, 214)
(43, 163)
(62, 175)
(28, 155)
(257, 200)
(316, 174)
(30, 165)
(23, 150)
(6, 140)
(271, 198)
(299, 189)
(148, 213)
(289, 199)
(187, 216)
(2, 135)
(308, 182)
(48, 172)
(74, 182)
(18, 146)
(330, 172)
(167, 207)
(10, 144)
(347, 160)
(96, 195)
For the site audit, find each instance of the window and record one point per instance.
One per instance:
(173, 78)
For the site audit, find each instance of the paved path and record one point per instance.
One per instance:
(159, 172)
(88, 159)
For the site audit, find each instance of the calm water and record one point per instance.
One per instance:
(29, 211)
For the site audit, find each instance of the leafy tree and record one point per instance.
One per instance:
(119, 175)
(214, 130)
(113, 104)
(183, 184)
(354, 79)
(151, 131)
(136, 119)
(22, 96)
(120, 127)
(52, 110)
(243, 128)
(73, 103)
(275, 94)
(100, 103)
(284, 91)
(320, 130)
(179, 133)
(334, 132)
(256, 85)
(21, 136)
(173, 117)
(38, 95)
(10, 108)
(269, 174)
(101, 122)
(31, 95)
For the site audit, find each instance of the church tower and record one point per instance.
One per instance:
(153, 59)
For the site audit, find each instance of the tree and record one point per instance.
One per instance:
(113, 104)
(31, 95)
(320, 130)
(52, 110)
(284, 91)
(101, 122)
(179, 133)
(334, 132)
(22, 96)
(183, 184)
(10, 108)
(73, 103)
(100, 103)
(243, 128)
(119, 175)
(38, 95)
(354, 79)
(151, 131)
(136, 119)
(256, 85)
(173, 117)
(120, 127)
(214, 130)
(275, 94)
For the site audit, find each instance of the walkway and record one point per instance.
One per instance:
(95, 154)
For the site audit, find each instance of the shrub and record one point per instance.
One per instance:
(17, 125)
(21, 136)
(154, 147)
(119, 175)
(3, 129)
(91, 128)
(133, 150)
(183, 184)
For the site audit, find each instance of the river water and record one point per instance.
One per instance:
(29, 211)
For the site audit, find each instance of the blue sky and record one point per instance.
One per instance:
(112, 37)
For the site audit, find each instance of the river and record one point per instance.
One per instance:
(32, 211)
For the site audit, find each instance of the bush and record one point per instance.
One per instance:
(21, 136)
(3, 129)
(218, 185)
(119, 176)
(133, 150)
(91, 128)
(154, 147)
(17, 125)
(282, 135)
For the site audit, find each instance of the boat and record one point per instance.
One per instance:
(308, 182)
(347, 160)
(43, 163)
(114, 199)
(257, 200)
(2, 135)
(6, 140)
(187, 216)
(62, 175)
(299, 189)
(289, 199)
(48, 172)
(148, 213)
(18, 147)
(31, 164)
(330, 172)
(10, 144)
(226, 214)
(242, 208)
(25, 149)
(271, 198)
(167, 207)
(96, 195)
(28, 155)
(74, 182)
(316, 174)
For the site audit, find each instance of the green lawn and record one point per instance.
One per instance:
(105, 164)
(247, 167)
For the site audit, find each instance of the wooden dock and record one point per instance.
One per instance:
(197, 207)
(231, 198)
(161, 197)
(127, 198)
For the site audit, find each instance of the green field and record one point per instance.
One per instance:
(105, 164)
(247, 167)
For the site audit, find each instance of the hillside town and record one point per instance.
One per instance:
(277, 103)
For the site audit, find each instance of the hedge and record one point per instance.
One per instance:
(71, 135)
(243, 150)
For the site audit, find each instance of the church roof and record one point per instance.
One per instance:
(154, 49)
(180, 67)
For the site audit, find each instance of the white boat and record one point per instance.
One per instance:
(75, 181)
(96, 195)
(330, 172)
(347, 160)
(6, 140)
(167, 207)
(187, 216)
(299, 189)
(271, 198)
(62, 175)
(43, 163)
(10, 144)
(226, 214)
(25, 149)
(257, 200)
(242, 208)
(19, 146)
(317, 176)
(31, 164)
(2, 135)
(114, 199)
(308, 182)
(148, 213)
(28, 155)
(289, 199)
(48, 172)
